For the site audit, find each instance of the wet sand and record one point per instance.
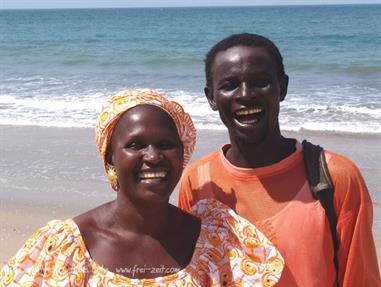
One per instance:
(56, 173)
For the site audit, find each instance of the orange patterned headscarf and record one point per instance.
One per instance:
(117, 105)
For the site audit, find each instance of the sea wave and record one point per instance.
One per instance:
(332, 109)
(80, 109)
(359, 128)
(311, 127)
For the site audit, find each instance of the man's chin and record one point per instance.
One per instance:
(248, 136)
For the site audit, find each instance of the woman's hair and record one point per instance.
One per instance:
(244, 39)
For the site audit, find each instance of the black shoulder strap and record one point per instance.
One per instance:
(321, 185)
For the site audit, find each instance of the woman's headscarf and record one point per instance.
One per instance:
(117, 105)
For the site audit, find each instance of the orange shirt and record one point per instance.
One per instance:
(278, 199)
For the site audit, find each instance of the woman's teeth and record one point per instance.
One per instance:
(149, 175)
(250, 111)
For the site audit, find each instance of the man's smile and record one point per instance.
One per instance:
(249, 115)
(249, 111)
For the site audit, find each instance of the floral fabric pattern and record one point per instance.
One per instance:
(230, 251)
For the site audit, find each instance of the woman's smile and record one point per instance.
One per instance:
(146, 175)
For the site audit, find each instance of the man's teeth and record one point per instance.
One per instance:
(147, 175)
(246, 112)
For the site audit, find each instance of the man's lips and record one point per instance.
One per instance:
(249, 115)
(249, 111)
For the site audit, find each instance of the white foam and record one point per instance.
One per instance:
(5, 99)
(318, 108)
(59, 124)
(360, 110)
(334, 127)
(219, 127)
(81, 110)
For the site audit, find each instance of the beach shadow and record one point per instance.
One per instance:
(212, 190)
(287, 187)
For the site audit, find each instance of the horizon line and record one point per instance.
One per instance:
(206, 6)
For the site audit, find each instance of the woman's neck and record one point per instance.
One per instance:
(151, 220)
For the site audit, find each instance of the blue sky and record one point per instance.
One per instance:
(31, 4)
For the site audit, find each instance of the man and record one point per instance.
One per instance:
(261, 174)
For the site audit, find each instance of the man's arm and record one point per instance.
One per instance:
(357, 257)
(185, 200)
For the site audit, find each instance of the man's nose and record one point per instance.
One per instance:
(245, 92)
(152, 154)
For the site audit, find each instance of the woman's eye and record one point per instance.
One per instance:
(166, 145)
(133, 145)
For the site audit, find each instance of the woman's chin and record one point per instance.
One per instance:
(157, 194)
(149, 196)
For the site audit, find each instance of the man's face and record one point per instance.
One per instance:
(246, 90)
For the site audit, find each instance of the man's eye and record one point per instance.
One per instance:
(229, 86)
(261, 83)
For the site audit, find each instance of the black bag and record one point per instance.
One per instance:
(322, 188)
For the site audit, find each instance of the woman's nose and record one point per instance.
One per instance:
(152, 154)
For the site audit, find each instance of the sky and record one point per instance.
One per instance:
(42, 4)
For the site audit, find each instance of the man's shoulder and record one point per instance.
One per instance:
(205, 160)
(340, 165)
(349, 185)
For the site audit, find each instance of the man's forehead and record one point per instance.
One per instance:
(238, 56)
(236, 53)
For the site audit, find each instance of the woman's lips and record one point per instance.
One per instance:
(152, 175)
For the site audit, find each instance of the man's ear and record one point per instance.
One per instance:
(209, 95)
(283, 87)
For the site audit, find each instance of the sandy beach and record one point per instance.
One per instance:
(56, 173)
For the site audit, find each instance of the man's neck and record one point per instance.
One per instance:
(252, 155)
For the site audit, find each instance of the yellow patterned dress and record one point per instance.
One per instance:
(230, 251)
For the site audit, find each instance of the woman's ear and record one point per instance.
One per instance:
(109, 156)
(209, 95)
(283, 86)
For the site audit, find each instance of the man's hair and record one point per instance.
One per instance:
(244, 39)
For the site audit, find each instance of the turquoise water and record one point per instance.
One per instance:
(57, 66)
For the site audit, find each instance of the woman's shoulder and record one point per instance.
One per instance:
(55, 235)
(54, 246)
(213, 212)
(234, 247)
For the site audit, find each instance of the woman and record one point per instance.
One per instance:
(140, 239)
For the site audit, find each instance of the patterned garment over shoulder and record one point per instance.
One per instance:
(230, 251)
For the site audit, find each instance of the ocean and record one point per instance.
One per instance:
(58, 66)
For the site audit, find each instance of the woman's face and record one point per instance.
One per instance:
(147, 154)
